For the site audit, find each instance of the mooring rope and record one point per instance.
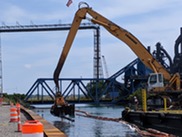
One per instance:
(143, 132)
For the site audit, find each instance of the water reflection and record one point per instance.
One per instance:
(87, 127)
(97, 128)
(63, 126)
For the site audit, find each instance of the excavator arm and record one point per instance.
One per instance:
(135, 45)
(74, 28)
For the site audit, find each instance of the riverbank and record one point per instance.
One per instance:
(7, 128)
(12, 129)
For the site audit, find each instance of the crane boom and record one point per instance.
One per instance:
(135, 45)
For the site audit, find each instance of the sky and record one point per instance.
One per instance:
(27, 56)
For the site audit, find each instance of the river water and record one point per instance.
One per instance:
(88, 127)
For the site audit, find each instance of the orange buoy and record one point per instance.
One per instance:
(32, 128)
(13, 114)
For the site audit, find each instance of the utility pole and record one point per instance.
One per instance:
(1, 76)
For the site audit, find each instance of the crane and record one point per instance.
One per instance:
(105, 66)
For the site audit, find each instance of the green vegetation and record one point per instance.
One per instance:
(138, 94)
(92, 86)
(13, 97)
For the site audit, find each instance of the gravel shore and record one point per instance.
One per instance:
(7, 128)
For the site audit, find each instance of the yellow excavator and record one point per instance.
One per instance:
(161, 81)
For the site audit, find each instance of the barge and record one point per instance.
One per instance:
(169, 122)
(164, 119)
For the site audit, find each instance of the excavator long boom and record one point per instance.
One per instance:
(120, 33)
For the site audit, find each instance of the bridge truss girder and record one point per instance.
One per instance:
(84, 90)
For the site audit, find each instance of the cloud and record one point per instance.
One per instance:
(12, 14)
(28, 66)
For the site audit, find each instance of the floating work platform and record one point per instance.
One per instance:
(166, 121)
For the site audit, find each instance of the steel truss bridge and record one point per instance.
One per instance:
(83, 90)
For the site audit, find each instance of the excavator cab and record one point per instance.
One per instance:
(155, 80)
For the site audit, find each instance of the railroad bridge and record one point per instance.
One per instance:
(87, 90)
